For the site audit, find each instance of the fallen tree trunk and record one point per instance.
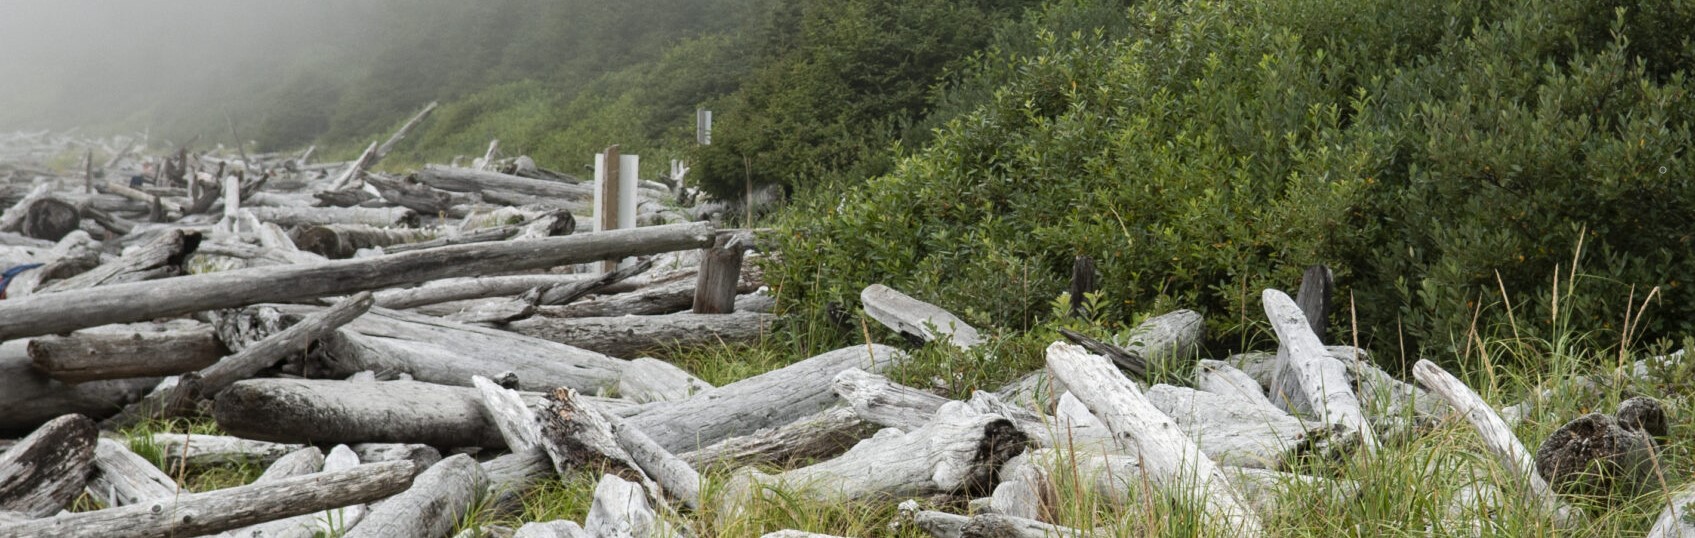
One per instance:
(29, 398)
(91, 356)
(880, 401)
(44, 471)
(916, 318)
(762, 401)
(340, 241)
(120, 303)
(820, 436)
(628, 335)
(322, 411)
(1172, 460)
(1307, 379)
(430, 508)
(470, 180)
(1499, 438)
(458, 289)
(671, 473)
(122, 478)
(225, 509)
(960, 451)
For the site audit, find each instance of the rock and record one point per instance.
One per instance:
(1593, 454)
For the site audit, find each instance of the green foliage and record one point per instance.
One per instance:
(1216, 149)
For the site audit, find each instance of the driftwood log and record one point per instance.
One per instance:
(44, 471)
(121, 303)
(469, 180)
(770, 399)
(337, 241)
(194, 450)
(122, 477)
(652, 380)
(1240, 435)
(1307, 379)
(1171, 459)
(322, 411)
(215, 511)
(620, 509)
(960, 451)
(628, 335)
(820, 436)
(29, 398)
(90, 356)
(431, 507)
(915, 318)
(160, 257)
(459, 289)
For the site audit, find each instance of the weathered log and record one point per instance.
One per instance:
(122, 478)
(29, 398)
(647, 379)
(1678, 519)
(820, 436)
(322, 411)
(119, 303)
(418, 197)
(558, 528)
(518, 426)
(482, 235)
(761, 401)
(497, 311)
(1219, 377)
(12, 218)
(161, 257)
(207, 383)
(458, 289)
(959, 452)
(1171, 459)
(1498, 437)
(301, 462)
(1120, 479)
(880, 401)
(916, 318)
(320, 216)
(620, 509)
(422, 454)
(565, 293)
(215, 511)
(434, 503)
(1308, 380)
(1594, 455)
(665, 298)
(44, 471)
(1163, 342)
(1317, 285)
(577, 436)
(120, 189)
(434, 350)
(355, 168)
(715, 284)
(51, 219)
(196, 450)
(339, 241)
(669, 472)
(1258, 436)
(405, 129)
(511, 475)
(629, 335)
(469, 180)
(90, 356)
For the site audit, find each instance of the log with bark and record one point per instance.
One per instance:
(95, 355)
(46, 470)
(225, 509)
(769, 399)
(628, 335)
(960, 451)
(120, 303)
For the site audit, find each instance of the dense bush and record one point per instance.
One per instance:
(1419, 147)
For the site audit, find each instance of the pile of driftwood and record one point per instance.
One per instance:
(398, 349)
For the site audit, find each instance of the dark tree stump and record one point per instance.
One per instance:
(1592, 455)
(51, 219)
(1643, 414)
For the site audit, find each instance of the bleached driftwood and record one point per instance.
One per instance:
(44, 471)
(423, 455)
(985, 525)
(1219, 377)
(220, 510)
(468, 180)
(325, 411)
(136, 301)
(960, 451)
(320, 216)
(123, 478)
(822, 435)
(577, 436)
(91, 356)
(1240, 435)
(667, 294)
(203, 450)
(671, 473)
(160, 257)
(773, 398)
(1308, 380)
(1171, 459)
(620, 510)
(298, 463)
(558, 528)
(1162, 342)
(434, 503)
(432, 349)
(910, 316)
(1678, 519)
(208, 382)
(517, 424)
(458, 289)
(337, 241)
(1498, 437)
(1119, 479)
(883, 402)
(626, 335)
(647, 379)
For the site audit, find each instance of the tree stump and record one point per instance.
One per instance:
(1592, 455)
(51, 219)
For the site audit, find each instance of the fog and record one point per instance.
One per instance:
(68, 62)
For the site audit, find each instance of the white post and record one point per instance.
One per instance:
(615, 193)
(232, 203)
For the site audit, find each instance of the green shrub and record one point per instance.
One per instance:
(1219, 147)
